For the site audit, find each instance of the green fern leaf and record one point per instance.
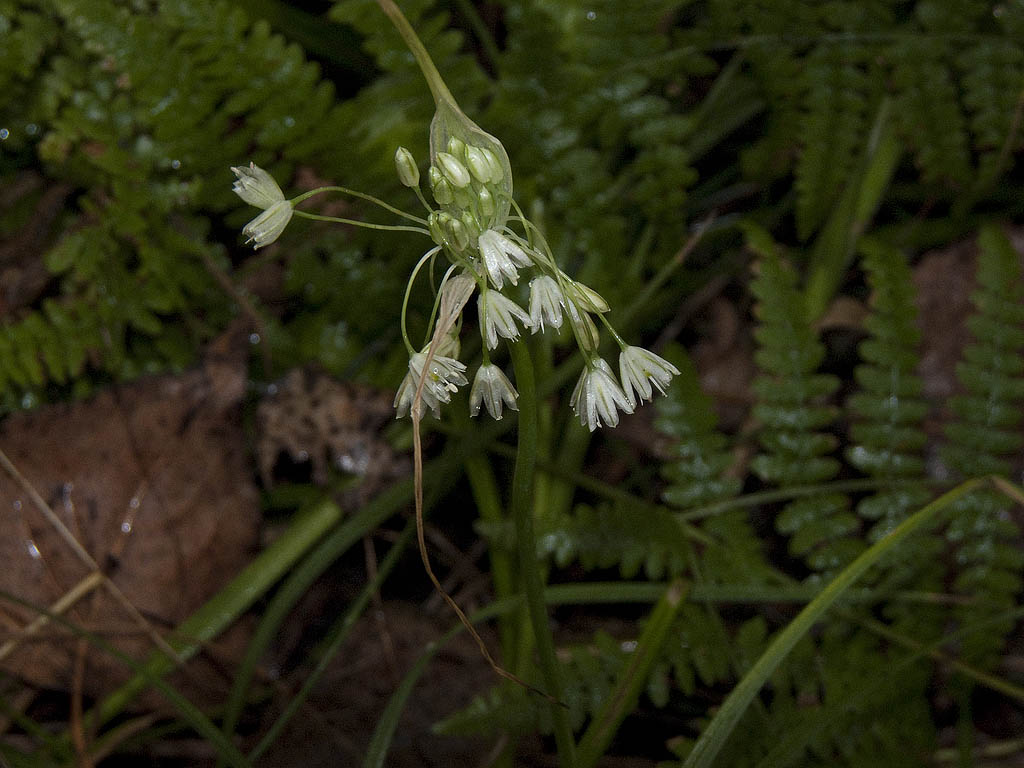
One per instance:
(791, 411)
(982, 437)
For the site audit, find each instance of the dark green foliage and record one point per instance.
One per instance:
(589, 673)
(150, 136)
(982, 437)
(952, 68)
(792, 409)
(841, 90)
(698, 652)
(887, 438)
(626, 537)
(698, 473)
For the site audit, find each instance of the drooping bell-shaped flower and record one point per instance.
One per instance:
(598, 397)
(492, 389)
(639, 368)
(257, 187)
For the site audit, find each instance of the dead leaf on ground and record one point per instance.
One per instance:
(153, 480)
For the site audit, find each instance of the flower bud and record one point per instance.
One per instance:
(486, 201)
(456, 233)
(472, 228)
(497, 173)
(588, 298)
(453, 170)
(464, 197)
(443, 193)
(586, 332)
(408, 171)
(456, 147)
(478, 165)
(434, 225)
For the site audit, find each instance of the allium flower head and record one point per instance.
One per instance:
(257, 187)
(502, 257)
(598, 396)
(498, 315)
(492, 388)
(639, 368)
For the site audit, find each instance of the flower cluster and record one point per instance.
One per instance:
(470, 182)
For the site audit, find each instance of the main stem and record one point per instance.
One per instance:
(522, 512)
(436, 83)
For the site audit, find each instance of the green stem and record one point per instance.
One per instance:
(363, 224)
(435, 82)
(405, 299)
(484, 487)
(363, 196)
(631, 681)
(522, 511)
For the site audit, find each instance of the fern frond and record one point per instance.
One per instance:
(887, 435)
(993, 81)
(622, 536)
(698, 474)
(792, 413)
(841, 95)
(983, 435)
(151, 138)
(928, 111)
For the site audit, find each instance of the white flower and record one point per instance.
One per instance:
(598, 395)
(492, 388)
(268, 226)
(501, 257)
(638, 368)
(257, 187)
(545, 303)
(497, 317)
(444, 377)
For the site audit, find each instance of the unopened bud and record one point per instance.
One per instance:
(586, 332)
(405, 164)
(453, 170)
(464, 197)
(497, 173)
(456, 147)
(443, 193)
(434, 225)
(456, 233)
(472, 228)
(588, 298)
(478, 165)
(486, 200)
